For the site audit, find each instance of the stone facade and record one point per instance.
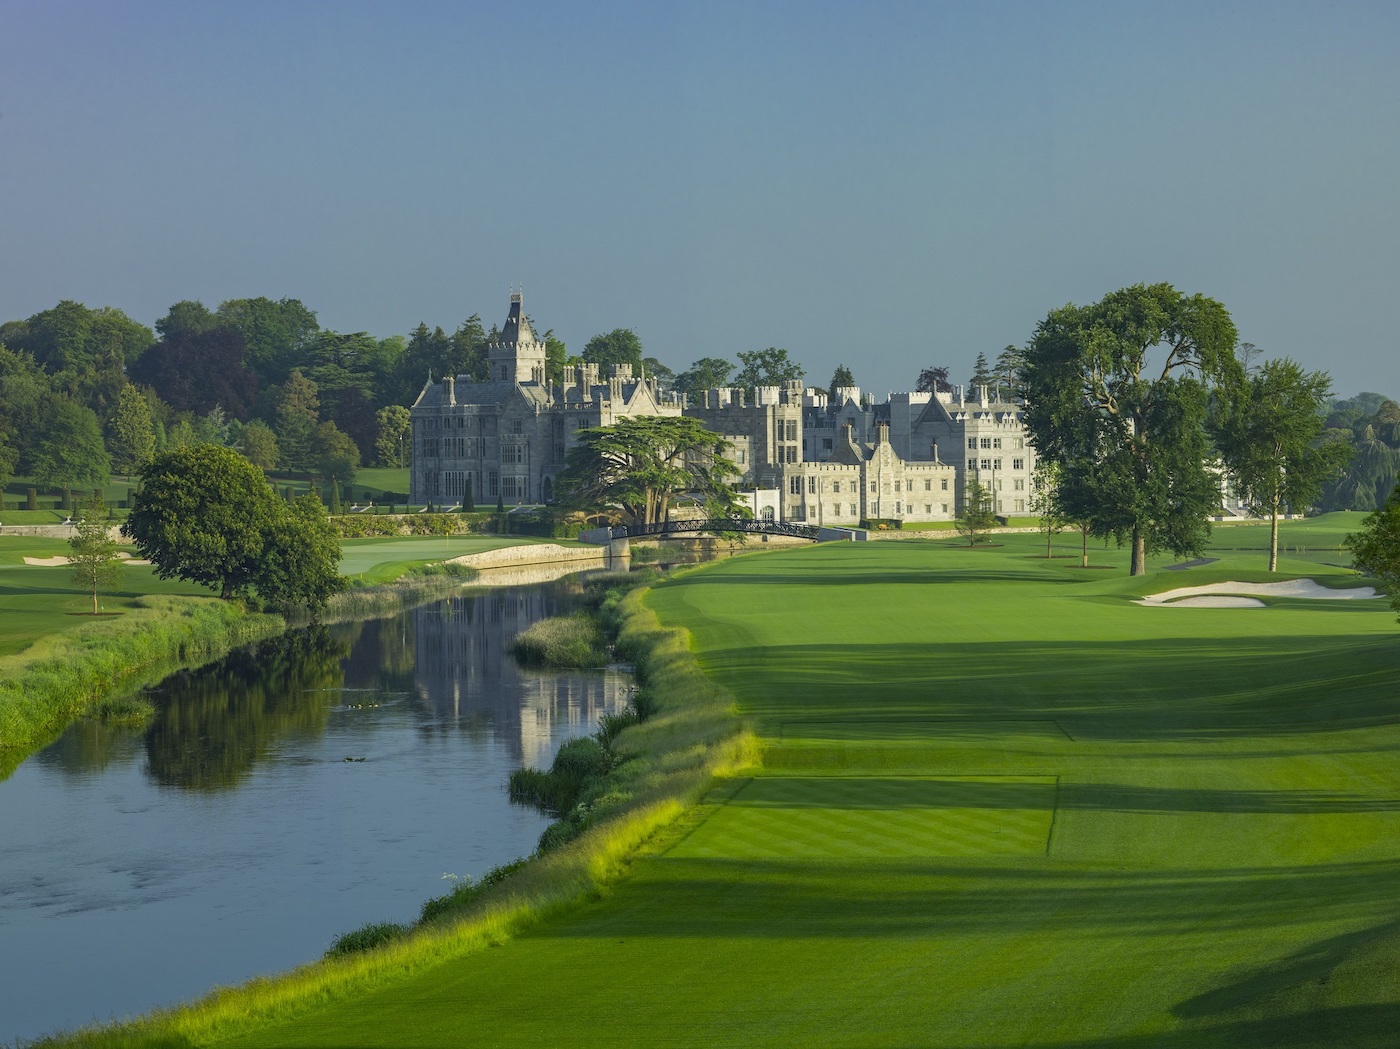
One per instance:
(764, 425)
(867, 482)
(507, 438)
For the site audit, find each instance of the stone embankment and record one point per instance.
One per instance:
(535, 554)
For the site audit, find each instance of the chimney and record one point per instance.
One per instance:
(449, 390)
(882, 433)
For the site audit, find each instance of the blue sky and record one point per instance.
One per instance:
(887, 186)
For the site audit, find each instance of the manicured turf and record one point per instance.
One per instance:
(36, 600)
(1002, 805)
(382, 559)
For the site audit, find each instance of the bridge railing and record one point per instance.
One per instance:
(747, 525)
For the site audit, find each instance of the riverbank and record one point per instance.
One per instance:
(65, 676)
(666, 763)
(67, 673)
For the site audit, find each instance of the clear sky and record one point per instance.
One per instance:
(888, 185)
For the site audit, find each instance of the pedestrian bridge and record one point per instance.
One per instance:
(719, 526)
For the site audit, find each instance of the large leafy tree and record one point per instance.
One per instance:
(207, 515)
(68, 451)
(642, 463)
(83, 350)
(1268, 426)
(770, 367)
(194, 369)
(391, 444)
(298, 412)
(1117, 395)
(1376, 548)
(707, 373)
(277, 336)
(299, 559)
(201, 514)
(934, 380)
(619, 346)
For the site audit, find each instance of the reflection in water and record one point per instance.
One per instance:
(214, 724)
(231, 836)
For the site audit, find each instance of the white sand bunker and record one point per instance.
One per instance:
(1231, 595)
(58, 562)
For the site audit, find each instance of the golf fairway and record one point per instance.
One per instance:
(1000, 805)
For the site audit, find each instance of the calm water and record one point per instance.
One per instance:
(233, 837)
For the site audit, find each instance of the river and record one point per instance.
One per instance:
(291, 792)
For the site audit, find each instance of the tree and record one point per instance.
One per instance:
(195, 370)
(334, 454)
(934, 380)
(201, 514)
(298, 567)
(298, 410)
(1376, 548)
(1007, 370)
(664, 376)
(92, 551)
(841, 379)
(391, 444)
(7, 466)
(68, 450)
(708, 373)
(1046, 501)
(259, 445)
(276, 335)
(976, 517)
(1268, 426)
(982, 374)
(619, 346)
(642, 463)
(1116, 395)
(132, 432)
(770, 367)
(556, 359)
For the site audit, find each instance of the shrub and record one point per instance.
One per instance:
(31, 499)
(365, 938)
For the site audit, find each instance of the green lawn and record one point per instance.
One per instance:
(38, 600)
(1001, 805)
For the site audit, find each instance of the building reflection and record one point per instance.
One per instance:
(466, 677)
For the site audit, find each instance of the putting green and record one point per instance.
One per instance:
(1001, 805)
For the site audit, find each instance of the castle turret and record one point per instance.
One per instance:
(518, 356)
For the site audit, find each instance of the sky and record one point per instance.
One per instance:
(884, 185)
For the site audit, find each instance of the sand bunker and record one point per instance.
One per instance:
(58, 562)
(1231, 595)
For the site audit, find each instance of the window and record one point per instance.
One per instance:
(492, 484)
(873, 489)
(986, 464)
(945, 508)
(742, 456)
(854, 511)
(1020, 505)
(788, 430)
(928, 484)
(928, 508)
(986, 442)
(826, 444)
(1018, 464)
(898, 509)
(996, 464)
(1020, 484)
(998, 484)
(794, 486)
(1018, 442)
(811, 486)
(835, 487)
(996, 442)
(943, 486)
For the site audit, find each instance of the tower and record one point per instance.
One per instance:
(517, 356)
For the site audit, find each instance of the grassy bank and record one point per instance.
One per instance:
(664, 765)
(67, 675)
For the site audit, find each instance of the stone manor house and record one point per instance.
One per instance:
(810, 459)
